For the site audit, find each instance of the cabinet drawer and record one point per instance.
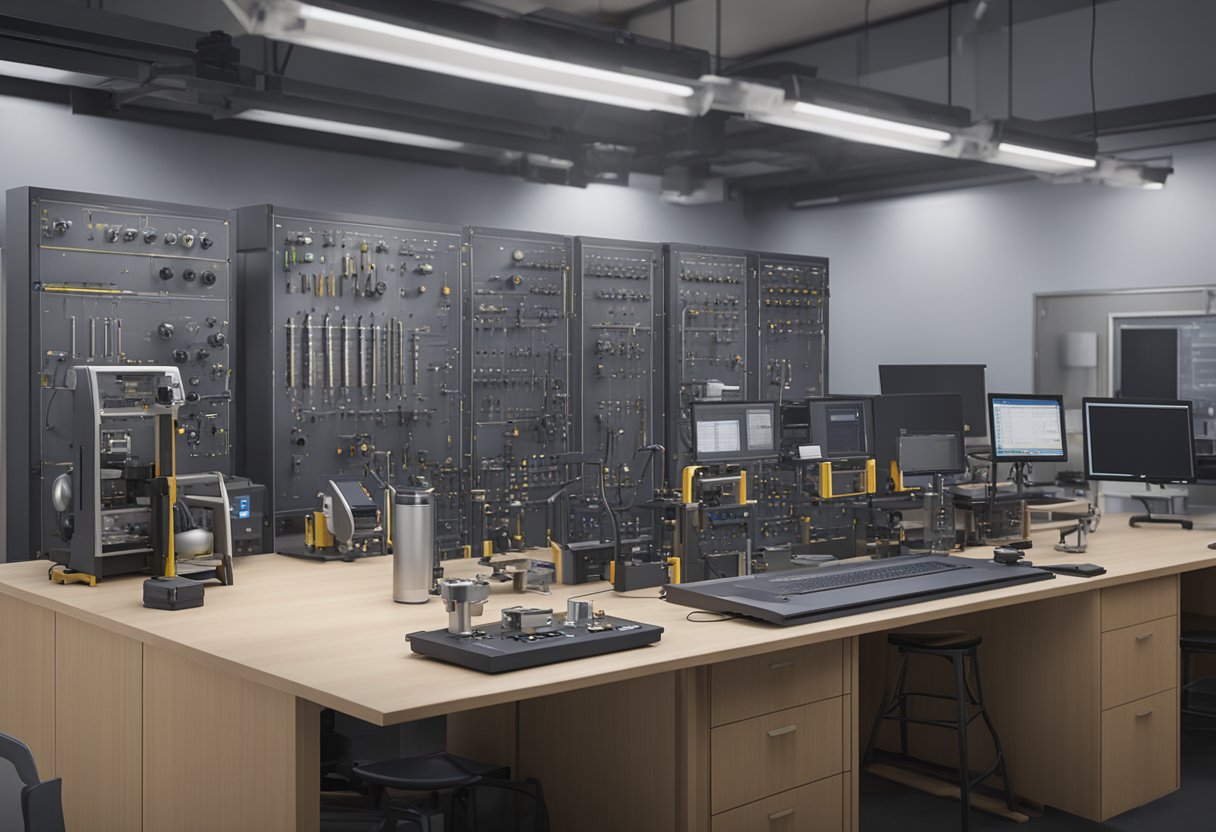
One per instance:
(776, 752)
(816, 807)
(775, 681)
(1138, 602)
(1139, 661)
(1139, 752)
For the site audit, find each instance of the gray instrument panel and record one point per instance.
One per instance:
(707, 335)
(620, 380)
(518, 362)
(353, 331)
(101, 281)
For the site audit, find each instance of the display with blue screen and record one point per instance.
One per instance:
(1027, 428)
(240, 508)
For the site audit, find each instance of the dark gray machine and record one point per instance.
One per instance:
(103, 280)
(352, 331)
(518, 359)
(114, 504)
(620, 384)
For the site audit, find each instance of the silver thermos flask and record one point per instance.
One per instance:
(413, 545)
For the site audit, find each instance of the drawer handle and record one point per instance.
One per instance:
(777, 732)
(1144, 636)
(784, 813)
(1143, 714)
(781, 665)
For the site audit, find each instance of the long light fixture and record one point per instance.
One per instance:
(364, 37)
(858, 127)
(49, 74)
(1038, 159)
(379, 134)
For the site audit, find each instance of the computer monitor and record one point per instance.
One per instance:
(1138, 440)
(841, 428)
(1027, 428)
(921, 413)
(931, 453)
(967, 380)
(734, 431)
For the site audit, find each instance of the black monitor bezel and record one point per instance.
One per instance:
(1058, 399)
(1104, 400)
(961, 436)
(743, 457)
(970, 431)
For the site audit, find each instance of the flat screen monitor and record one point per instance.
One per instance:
(899, 415)
(1138, 440)
(931, 453)
(734, 431)
(967, 380)
(1027, 428)
(840, 428)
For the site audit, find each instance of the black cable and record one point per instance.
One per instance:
(1009, 72)
(721, 616)
(718, 38)
(616, 534)
(950, 53)
(1093, 39)
(865, 52)
(51, 400)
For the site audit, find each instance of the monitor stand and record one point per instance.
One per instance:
(1136, 519)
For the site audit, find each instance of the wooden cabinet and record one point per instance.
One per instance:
(1139, 752)
(815, 807)
(779, 731)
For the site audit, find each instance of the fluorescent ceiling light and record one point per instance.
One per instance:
(1153, 186)
(1038, 159)
(378, 134)
(50, 75)
(363, 37)
(856, 127)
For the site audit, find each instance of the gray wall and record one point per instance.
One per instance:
(950, 277)
(45, 145)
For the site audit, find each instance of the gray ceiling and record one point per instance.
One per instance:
(748, 26)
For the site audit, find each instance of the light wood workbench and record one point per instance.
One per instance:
(207, 719)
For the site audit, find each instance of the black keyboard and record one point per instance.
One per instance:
(841, 578)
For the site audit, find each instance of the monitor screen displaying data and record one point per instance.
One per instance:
(1026, 428)
(734, 431)
(1138, 440)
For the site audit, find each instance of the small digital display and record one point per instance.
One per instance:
(734, 431)
(241, 509)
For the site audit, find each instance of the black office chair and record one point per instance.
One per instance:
(23, 795)
(956, 648)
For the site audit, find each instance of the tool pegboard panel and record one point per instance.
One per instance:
(792, 326)
(518, 365)
(708, 292)
(619, 383)
(103, 280)
(352, 331)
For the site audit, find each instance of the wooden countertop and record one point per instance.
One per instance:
(331, 633)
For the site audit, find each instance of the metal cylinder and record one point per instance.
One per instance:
(579, 612)
(413, 545)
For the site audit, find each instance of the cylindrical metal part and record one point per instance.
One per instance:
(463, 599)
(579, 612)
(413, 545)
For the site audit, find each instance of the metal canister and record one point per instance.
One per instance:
(413, 545)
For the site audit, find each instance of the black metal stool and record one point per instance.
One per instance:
(1191, 643)
(435, 773)
(955, 647)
